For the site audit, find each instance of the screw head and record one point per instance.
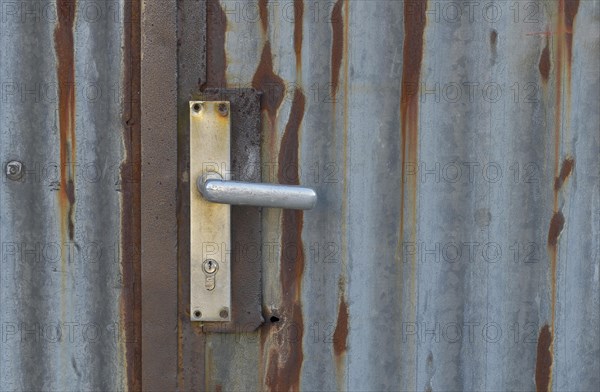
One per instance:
(223, 109)
(14, 170)
(210, 266)
(197, 107)
(224, 313)
(197, 314)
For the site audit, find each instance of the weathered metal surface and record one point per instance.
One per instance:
(69, 272)
(455, 150)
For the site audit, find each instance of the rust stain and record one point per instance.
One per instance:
(412, 51)
(131, 301)
(264, 14)
(543, 361)
(219, 388)
(340, 335)
(567, 11)
(337, 45)
(271, 85)
(544, 64)
(298, 20)
(216, 60)
(414, 28)
(63, 41)
(285, 363)
(565, 172)
(570, 8)
(556, 226)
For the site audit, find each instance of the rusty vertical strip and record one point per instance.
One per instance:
(298, 21)
(216, 61)
(283, 369)
(567, 11)
(131, 305)
(194, 22)
(341, 41)
(63, 40)
(159, 194)
(412, 56)
(337, 45)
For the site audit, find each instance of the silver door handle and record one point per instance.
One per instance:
(217, 190)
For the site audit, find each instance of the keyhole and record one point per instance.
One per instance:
(210, 266)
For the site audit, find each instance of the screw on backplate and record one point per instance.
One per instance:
(197, 107)
(223, 110)
(197, 314)
(14, 170)
(224, 313)
(210, 266)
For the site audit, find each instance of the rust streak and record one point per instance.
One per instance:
(544, 64)
(269, 83)
(131, 301)
(340, 335)
(298, 20)
(283, 371)
(570, 10)
(337, 45)
(543, 361)
(264, 14)
(414, 28)
(565, 172)
(63, 40)
(216, 60)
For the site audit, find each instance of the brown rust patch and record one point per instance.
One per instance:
(556, 226)
(65, 53)
(337, 45)
(565, 172)
(131, 301)
(543, 361)
(298, 20)
(264, 14)
(414, 29)
(216, 60)
(285, 363)
(340, 335)
(544, 64)
(269, 83)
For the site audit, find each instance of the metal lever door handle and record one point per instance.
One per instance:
(217, 190)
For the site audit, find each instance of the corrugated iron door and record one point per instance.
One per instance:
(454, 147)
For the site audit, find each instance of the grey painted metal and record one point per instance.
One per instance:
(218, 190)
(62, 288)
(447, 273)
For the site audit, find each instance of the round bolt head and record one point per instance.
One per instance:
(197, 314)
(210, 266)
(223, 109)
(224, 313)
(197, 107)
(14, 170)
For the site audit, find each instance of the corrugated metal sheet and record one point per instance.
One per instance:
(68, 230)
(455, 149)
(454, 146)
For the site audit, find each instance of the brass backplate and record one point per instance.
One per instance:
(210, 227)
